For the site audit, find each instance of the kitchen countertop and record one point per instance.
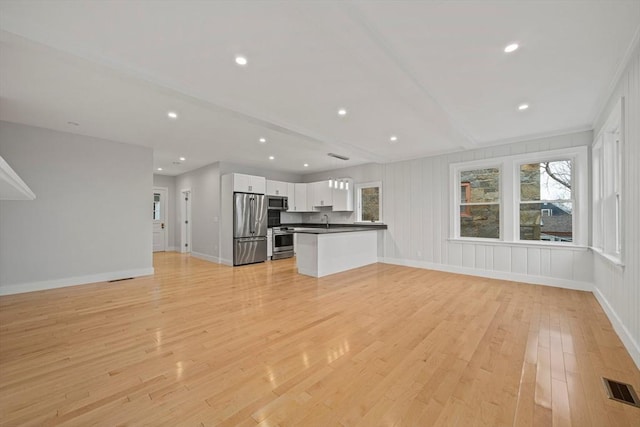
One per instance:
(333, 228)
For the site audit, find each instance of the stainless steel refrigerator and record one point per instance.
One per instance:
(249, 228)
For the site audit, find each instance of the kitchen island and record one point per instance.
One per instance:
(323, 251)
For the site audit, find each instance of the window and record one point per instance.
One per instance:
(480, 203)
(535, 197)
(369, 202)
(545, 191)
(607, 187)
(156, 206)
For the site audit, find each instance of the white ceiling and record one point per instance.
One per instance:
(433, 73)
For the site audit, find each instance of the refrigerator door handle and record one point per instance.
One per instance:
(252, 214)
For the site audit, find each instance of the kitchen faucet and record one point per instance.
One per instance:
(325, 216)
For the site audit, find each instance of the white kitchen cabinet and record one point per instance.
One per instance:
(276, 188)
(343, 195)
(249, 183)
(269, 243)
(322, 194)
(301, 200)
(291, 195)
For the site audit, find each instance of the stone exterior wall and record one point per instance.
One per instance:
(481, 220)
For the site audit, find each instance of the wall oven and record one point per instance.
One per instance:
(282, 244)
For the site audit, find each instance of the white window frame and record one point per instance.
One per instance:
(510, 195)
(608, 164)
(358, 189)
(455, 170)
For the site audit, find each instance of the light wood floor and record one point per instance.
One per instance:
(205, 344)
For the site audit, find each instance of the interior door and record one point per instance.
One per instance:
(159, 219)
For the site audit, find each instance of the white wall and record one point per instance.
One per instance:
(204, 184)
(91, 217)
(618, 288)
(416, 198)
(169, 182)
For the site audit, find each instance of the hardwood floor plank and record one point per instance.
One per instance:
(204, 344)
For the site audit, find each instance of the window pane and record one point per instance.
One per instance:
(546, 221)
(482, 221)
(483, 185)
(546, 181)
(370, 198)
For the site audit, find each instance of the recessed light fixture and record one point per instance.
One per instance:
(182, 159)
(241, 60)
(271, 157)
(393, 138)
(306, 165)
(523, 107)
(159, 169)
(172, 115)
(342, 112)
(262, 140)
(511, 48)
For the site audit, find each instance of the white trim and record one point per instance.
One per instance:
(492, 274)
(509, 184)
(19, 288)
(8, 175)
(358, 200)
(210, 258)
(519, 243)
(186, 232)
(167, 219)
(625, 336)
(173, 249)
(613, 260)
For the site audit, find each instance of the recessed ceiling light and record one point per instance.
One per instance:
(511, 48)
(393, 138)
(262, 140)
(342, 112)
(523, 107)
(271, 157)
(241, 60)
(159, 169)
(172, 115)
(306, 165)
(182, 159)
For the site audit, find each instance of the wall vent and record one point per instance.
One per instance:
(621, 392)
(337, 156)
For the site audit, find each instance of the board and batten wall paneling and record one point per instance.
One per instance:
(618, 288)
(91, 219)
(417, 212)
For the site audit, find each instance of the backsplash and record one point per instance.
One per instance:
(334, 217)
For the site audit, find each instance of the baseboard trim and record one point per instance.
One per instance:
(20, 288)
(625, 336)
(492, 274)
(206, 257)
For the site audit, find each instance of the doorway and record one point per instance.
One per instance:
(185, 226)
(160, 219)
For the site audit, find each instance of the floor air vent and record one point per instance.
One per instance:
(621, 392)
(120, 280)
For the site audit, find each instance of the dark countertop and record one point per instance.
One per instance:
(333, 228)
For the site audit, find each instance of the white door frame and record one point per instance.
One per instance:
(165, 205)
(185, 220)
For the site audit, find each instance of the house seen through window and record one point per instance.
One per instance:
(369, 202)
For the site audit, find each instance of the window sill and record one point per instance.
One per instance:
(613, 260)
(531, 244)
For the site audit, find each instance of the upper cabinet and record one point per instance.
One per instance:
(321, 194)
(342, 193)
(301, 200)
(249, 183)
(276, 188)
